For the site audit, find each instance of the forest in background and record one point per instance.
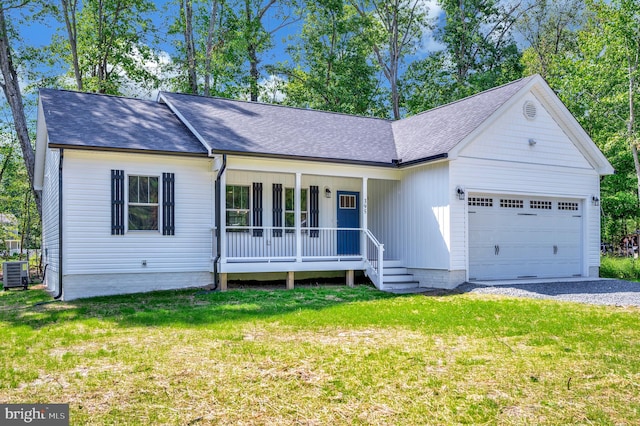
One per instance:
(388, 59)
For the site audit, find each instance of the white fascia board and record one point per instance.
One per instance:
(42, 138)
(163, 99)
(306, 167)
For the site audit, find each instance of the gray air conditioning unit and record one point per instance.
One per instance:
(16, 274)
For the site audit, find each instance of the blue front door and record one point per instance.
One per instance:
(348, 217)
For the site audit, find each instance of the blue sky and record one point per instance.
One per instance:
(40, 34)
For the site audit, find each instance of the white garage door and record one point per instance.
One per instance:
(524, 237)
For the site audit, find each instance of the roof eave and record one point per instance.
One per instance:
(127, 150)
(430, 159)
(305, 158)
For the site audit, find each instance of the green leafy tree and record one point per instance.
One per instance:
(480, 53)
(212, 66)
(394, 30)
(10, 85)
(106, 43)
(549, 28)
(332, 68)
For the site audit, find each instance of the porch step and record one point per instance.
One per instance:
(390, 263)
(397, 277)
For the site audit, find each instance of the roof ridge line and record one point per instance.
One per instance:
(493, 89)
(388, 120)
(103, 95)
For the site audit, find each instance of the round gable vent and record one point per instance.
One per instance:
(529, 110)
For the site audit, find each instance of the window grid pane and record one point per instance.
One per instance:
(143, 208)
(237, 200)
(289, 207)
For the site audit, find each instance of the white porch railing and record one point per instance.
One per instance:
(374, 254)
(281, 244)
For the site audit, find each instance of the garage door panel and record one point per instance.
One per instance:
(515, 237)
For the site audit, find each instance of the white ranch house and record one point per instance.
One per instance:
(189, 190)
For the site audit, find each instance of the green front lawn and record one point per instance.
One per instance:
(321, 355)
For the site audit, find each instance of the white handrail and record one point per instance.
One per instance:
(375, 261)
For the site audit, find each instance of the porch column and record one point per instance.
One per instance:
(223, 217)
(364, 216)
(297, 207)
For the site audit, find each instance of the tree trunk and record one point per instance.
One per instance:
(70, 9)
(11, 89)
(190, 46)
(630, 128)
(209, 49)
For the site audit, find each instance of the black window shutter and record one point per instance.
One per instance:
(168, 204)
(277, 209)
(257, 208)
(314, 211)
(117, 202)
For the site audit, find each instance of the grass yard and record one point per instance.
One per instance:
(321, 355)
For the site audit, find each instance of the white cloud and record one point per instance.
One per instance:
(270, 90)
(435, 15)
(159, 66)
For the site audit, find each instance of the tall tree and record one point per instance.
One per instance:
(186, 10)
(257, 36)
(209, 49)
(620, 23)
(11, 88)
(332, 69)
(396, 31)
(549, 28)
(70, 11)
(107, 43)
(479, 53)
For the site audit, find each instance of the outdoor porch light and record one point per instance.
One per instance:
(595, 200)
(532, 142)
(460, 192)
(327, 192)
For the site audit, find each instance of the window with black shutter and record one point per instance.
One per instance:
(277, 209)
(117, 202)
(168, 204)
(314, 211)
(257, 208)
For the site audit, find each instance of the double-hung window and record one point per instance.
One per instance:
(137, 200)
(290, 208)
(237, 205)
(143, 203)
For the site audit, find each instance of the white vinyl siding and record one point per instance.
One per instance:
(89, 246)
(50, 234)
(411, 217)
(383, 202)
(507, 140)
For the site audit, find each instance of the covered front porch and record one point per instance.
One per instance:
(275, 217)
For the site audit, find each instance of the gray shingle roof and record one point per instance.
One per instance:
(437, 131)
(108, 122)
(90, 120)
(251, 127)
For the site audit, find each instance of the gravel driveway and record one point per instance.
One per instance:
(599, 292)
